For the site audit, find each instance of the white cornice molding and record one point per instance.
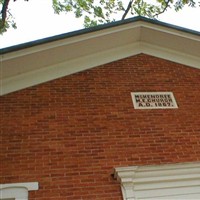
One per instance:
(71, 40)
(172, 181)
(97, 34)
(49, 61)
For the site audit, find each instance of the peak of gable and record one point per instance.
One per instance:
(56, 57)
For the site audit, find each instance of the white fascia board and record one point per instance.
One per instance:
(97, 34)
(66, 68)
(70, 40)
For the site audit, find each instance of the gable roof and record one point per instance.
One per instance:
(43, 60)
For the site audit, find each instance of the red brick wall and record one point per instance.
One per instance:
(68, 134)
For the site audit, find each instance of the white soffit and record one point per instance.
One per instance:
(55, 59)
(171, 181)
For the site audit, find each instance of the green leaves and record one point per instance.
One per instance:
(104, 11)
(6, 18)
(93, 12)
(179, 4)
(89, 22)
(60, 6)
(96, 12)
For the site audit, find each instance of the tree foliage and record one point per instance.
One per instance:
(6, 18)
(102, 11)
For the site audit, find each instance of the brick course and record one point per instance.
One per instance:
(69, 134)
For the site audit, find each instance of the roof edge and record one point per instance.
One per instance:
(93, 29)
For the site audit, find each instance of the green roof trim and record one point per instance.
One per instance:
(93, 29)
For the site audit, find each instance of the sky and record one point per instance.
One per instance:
(36, 20)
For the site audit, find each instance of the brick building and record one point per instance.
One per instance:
(107, 113)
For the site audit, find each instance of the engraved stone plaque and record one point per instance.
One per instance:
(153, 100)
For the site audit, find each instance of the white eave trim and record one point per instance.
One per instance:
(172, 181)
(23, 68)
(97, 34)
(70, 40)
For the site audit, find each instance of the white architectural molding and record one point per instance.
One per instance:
(61, 57)
(17, 191)
(172, 181)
